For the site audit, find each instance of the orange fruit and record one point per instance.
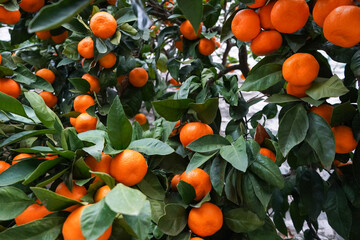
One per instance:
(82, 102)
(337, 163)
(268, 153)
(108, 61)
(9, 17)
(205, 220)
(288, 16)
(177, 128)
(138, 77)
(49, 98)
(71, 229)
(50, 156)
(3, 166)
(0, 58)
(32, 213)
(297, 91)
(103, 25)
(120, 79)
(188, 31)
(46, 74)
(140, 118)
(174, 82)
(61, 37)
(324, 110)
(266, 43)
(246, 25)
(101, 193)
(129, 167)
(99, 166)
(93, 81)
(21, 156)
(192, 131)
(85, 122)
(174, 182)
(257, 4)
(300, 69)
(206, 46)
(76, 194)
(200, 180)
(322, 9)
(341, 26)
(72, 121)
(196, 238)
(10, 87)
(86, 48)
(179, 44)
(344, 139)
(43, 35)
(218, 44)
(31, 5)
(265, 15)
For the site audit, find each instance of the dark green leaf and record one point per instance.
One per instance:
(293, 128)
(10, 104)
(97, 137)
(236, 154)
(119, 126)
(18, 172)
(186, 191)
(241, 220)
(106, 178)
(267, 170)
(208, 143)
(206, 111)
(172, 109)
(14, 201)
(217, 174)
(80, 84)
(174, 220)
(193, 11)
(54, 15)
(333, 87)
(151, 187)
(199, 159)
(41, 170)
(144, 21)
(26, 134)
(96, 219)
(263, 78)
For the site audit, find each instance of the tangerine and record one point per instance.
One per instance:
(101, 193)
(49, 98)
(93, 81)
(10, 87)
(174, 182)
(344, 139)
(103, 25)
(257, 4)
(43, 35)
(205, 220)
(324, 110)
(200, 180)
(206, 46)
(265, 15)
(266, 43)
(76, 194)
(3, 166)
(32, 213)
(99, 166)
(85, 122)
(246, 25)
(188, 31)
(179, 44)
(46, 74)
(297, 91)
(61, 37)
(140, 118)
(108, 61)
(138, 77)
(129, 167)
(17, 158)
(192, 131)
(86, 48)
(9, 17)
(322, 8)
(83, 102)
(268, 153)
(31, 5)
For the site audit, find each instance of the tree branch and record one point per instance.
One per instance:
(244, 67)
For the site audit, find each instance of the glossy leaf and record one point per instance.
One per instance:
(151, 186)
(186, 191)
(140, 224)
(263, 78)
(293, 128)
(217, 174)
(208, 143)
(41, 170)
(199, 159)
(54, 15)
(18, 172)
(241, 220)
(193, 11)
(333, 87)
(172, 109)
(206, 111)
(236, 154)
(174, 220)
(267, 170)
(10, 104)
(150, 146)
(119, 126)
(14, 201)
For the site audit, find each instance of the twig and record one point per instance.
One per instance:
(244, 67)
(229, 45)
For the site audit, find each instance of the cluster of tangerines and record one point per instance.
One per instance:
(206, 46)
(339, 19)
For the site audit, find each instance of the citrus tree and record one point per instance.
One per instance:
(81, 159)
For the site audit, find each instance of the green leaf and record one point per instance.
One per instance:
(241, 220)
(296, 217)
(186, 191)
(44, 228)
(144, 21)
(140, 224)
(236, 154)
(119, 126)
(106, 178)
(333, 87)
(96, 219)
(41, 170)
(151, 186)
(267, 170)
(338, 212)
(217, 174)
(282, 98)
(172, 109)
(321, 139)
(10, 104)
(5, 71)
(80, 84)
(199, 159)
(161, 63)
(53, 201)
(263, 78)
(14, 201)
(151, 146)
(342, 113)
(293, 128)
(97, 137)
(125, 200)
(208, 143)
(43, 112)
(18, 172)
(54, 15)
(193, 11)
(24, 75)
(174, 220)
(355, 64)
(226, 32)
(206, 111)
